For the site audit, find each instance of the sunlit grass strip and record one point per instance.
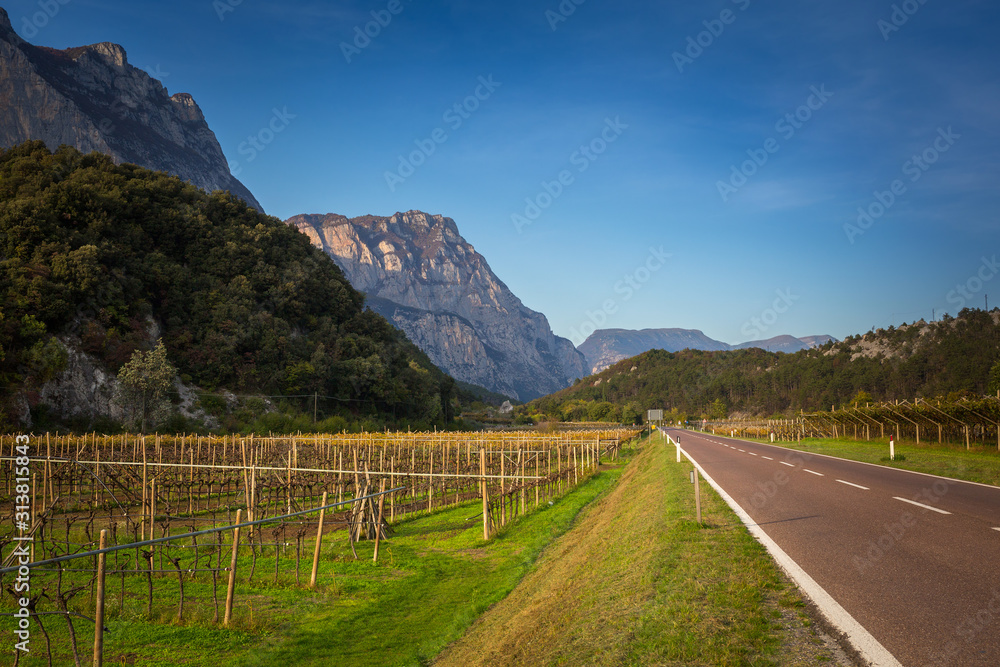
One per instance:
(982, 465)
(638, 582)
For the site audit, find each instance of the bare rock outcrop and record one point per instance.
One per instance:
(91, 98)
(419, 273)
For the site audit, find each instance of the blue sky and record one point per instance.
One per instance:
(642, 109)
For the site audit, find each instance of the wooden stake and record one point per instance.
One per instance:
(145, 498)
(430, 484)
(576, 469)
(319, 544)
(231, 588)
(537, 482)
(503, 484)
(485, 490)
(520, 471)
(378, 524)
(99, 613)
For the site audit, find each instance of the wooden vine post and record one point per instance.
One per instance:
(145, 488)
(99, 613)
(319, 543)
(231, 588)
(378, 524)
(486, 500)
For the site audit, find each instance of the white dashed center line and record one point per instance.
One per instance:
(768, 458)
(926, 507)
(790, 465)
(751, 454)
(813, 472)
(856, 486)
(743, 450)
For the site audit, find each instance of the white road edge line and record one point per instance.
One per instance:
(786, 463)
(819, 474)
(926, 507)
(860, 638)
(857, 486)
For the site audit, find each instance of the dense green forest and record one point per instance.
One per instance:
(114, 257)
(953, 355)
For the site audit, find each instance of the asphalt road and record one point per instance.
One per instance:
(915, 559)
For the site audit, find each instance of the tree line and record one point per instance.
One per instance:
(111, 258)
(954, 356)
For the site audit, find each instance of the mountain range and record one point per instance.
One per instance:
(419, 273)
(415, 269)
(91, 98)
(605, 347)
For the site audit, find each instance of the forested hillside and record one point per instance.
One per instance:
(113, 257)
(920, 359)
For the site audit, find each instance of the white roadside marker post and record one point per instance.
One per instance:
(892, 449)
(697, 494)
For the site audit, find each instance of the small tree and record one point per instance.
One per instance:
(994, 385)
(861, 398)
(631, 414)
(144, 381)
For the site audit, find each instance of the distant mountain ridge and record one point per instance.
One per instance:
(91, 98)
(606, 347)
(956, 356)
(419, 273)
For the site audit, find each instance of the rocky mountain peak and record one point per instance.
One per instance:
(420, 274)
(7, 33)
(419, 222)
(91, 98)
(187, 108)
(114, 54)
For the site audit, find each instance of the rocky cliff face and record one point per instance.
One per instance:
(420, 273)
(91, 98)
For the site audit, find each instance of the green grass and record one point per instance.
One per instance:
(437, 576)
(717, 597)
(639, 582)
(977, 465)
(434, 577)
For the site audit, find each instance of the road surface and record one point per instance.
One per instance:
(914, 559)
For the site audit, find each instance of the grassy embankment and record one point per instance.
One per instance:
(638, 582)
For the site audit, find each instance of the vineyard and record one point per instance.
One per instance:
(968, 422)
(176, 529)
